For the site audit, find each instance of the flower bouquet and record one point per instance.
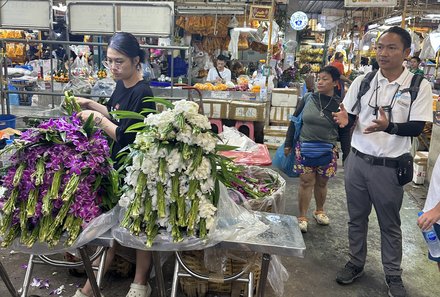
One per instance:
(60, 180)
(173, 175)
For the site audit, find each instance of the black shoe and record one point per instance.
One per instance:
(395, 286)
(349, 273)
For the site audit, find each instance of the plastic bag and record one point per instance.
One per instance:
(103, 88)
(231, 136)
(233, 222)
(78, 86)
(277, 275)
(274, 202)
(285, 163)
(93, 230)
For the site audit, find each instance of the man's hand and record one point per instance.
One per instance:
(341, 117)
(429, 218)
(287, 151)
(379, 124)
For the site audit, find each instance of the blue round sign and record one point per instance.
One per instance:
(299, 20)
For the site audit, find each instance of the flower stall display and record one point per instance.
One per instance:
(60, 180)
(173, 177)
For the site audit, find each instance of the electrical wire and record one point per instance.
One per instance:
(4, 3)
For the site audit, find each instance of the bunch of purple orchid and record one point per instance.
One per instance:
(60, 179)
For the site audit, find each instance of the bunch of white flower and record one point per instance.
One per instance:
(170, 175)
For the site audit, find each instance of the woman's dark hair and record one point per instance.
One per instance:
(127, 44)
(339, 56)
(417, 59)
(333, 71)
(403, 34)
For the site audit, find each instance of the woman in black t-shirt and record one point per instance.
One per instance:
(124, 58)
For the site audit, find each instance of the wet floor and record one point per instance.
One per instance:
(313, 275)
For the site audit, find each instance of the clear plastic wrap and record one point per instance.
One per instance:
(79, 86)
(103, 88)
(231, 136)
(274, 202)
(93, 230)
(233, 222)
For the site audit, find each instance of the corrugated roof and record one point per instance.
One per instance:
(317, 6)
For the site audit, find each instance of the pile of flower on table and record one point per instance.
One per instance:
(173, 175)
(61, 178)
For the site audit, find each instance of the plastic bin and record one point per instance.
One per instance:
(13, 98)
(7, 121)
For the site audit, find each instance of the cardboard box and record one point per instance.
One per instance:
(419, 173)
(274, 136)
(285, 97)
(281, 115)
(421, 158)
(247, 111)
(217, 109)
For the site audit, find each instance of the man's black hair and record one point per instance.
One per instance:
(403, 34)
(222, 58)
(333, 71)
(417, 59)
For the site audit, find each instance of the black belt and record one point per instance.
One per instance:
(387, 162)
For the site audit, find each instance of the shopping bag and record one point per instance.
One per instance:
(285, 163)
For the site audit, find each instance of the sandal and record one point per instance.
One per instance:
(321, 218)
(79, 293)
(137, 290)
(303, 223)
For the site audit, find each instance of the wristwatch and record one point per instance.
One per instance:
(394, 129)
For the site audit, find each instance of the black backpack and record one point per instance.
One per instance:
(365, 86)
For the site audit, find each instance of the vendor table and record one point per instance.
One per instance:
(283, 238)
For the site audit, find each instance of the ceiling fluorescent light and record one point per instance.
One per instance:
(396, 19)
(201, 10)
(245, 29)
(433, 16)
(372, 26)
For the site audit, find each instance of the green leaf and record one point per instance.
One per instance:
(124, 114)
(148, 110)
(89, 125)
(63, 136)
(161, 101)
(135, 127)
(224, 147)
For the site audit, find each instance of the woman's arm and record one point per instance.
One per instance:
(89, 104)
(101, 121)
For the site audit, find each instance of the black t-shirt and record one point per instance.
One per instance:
(129, 99)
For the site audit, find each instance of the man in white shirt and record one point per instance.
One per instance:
(431, 211)
(219, 74)
(386, 122)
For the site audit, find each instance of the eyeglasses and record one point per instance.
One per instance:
(386, 108)
(117, 63)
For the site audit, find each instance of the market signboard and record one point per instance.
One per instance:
(370, 3)
(260, 13)
(299, 20)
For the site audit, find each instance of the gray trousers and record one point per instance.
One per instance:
(369, 185)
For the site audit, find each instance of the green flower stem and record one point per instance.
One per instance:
(10, 236)
(193, 186)
(39, 172)
(202, 228)
(18, 174)
(23, 216)
(55, 186)
(137, 202)
(32, 238)
(162, 168)
(71, 187)
(45, 227)
(161, 200)
(75, 229)
(5, 223)
(9, 206)
(148, 207)
(32, 202)
(193, 216)
(47, 206)
(174, 187)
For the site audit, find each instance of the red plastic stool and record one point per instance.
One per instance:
(250, 126)
(218, 123)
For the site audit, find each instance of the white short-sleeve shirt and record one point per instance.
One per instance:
(213, 75)
(433, 197)
(385, 93)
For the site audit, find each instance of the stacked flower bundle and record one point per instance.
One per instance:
(56, 184)
(173, 174)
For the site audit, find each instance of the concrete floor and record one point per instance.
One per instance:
(313, 275)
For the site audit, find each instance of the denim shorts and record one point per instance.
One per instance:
(437, 230)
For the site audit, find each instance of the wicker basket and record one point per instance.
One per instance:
(233, 265)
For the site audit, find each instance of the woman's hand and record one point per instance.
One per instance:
(287, 151)
(341, 117)
(83, 102)
(97, 116)
(429, 218)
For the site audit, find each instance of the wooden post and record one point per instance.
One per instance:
(402, 24)
(269, 44)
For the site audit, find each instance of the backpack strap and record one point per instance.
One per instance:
(414, 89)
(365, 86)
